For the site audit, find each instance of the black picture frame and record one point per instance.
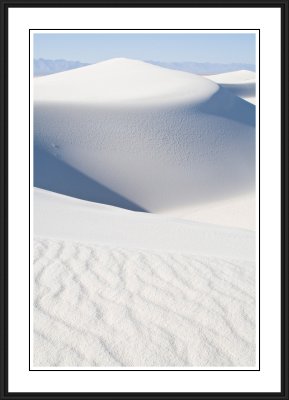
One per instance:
(4, 137)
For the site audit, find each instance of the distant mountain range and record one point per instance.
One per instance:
(204, 68)
(47, 67)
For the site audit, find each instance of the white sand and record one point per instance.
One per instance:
(238, 212)
(62, 217)
(161, 139)
(120, 288)
(241, 83)
(122, 81)
(172, 287)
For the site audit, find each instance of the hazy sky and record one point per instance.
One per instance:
(91, 48)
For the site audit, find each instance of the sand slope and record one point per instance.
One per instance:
(179, 294)
(237, 211)
(62, 217)
(157, 138)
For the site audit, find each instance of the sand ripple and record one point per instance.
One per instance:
(101, 306)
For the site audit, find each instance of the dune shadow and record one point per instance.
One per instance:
(226, 105)
(246, 89)
(51, 173)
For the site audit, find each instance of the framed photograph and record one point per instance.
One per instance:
(144, 199)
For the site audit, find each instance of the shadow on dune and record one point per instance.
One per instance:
(245, 89)
(236, 109)
(50, 173)
(158, 157)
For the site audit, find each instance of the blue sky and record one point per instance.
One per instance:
(91, 48)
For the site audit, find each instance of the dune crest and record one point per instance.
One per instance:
(122, 81)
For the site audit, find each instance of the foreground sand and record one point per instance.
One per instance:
(182, 301)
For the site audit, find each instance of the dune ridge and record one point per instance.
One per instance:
(120, 82)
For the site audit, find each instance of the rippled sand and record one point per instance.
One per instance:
(102, 306)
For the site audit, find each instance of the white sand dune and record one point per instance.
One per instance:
(63, 217)
(238, 212)
(241, 83)
(123, 81)
(155, 138)
(121, 288)
(116, 283)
